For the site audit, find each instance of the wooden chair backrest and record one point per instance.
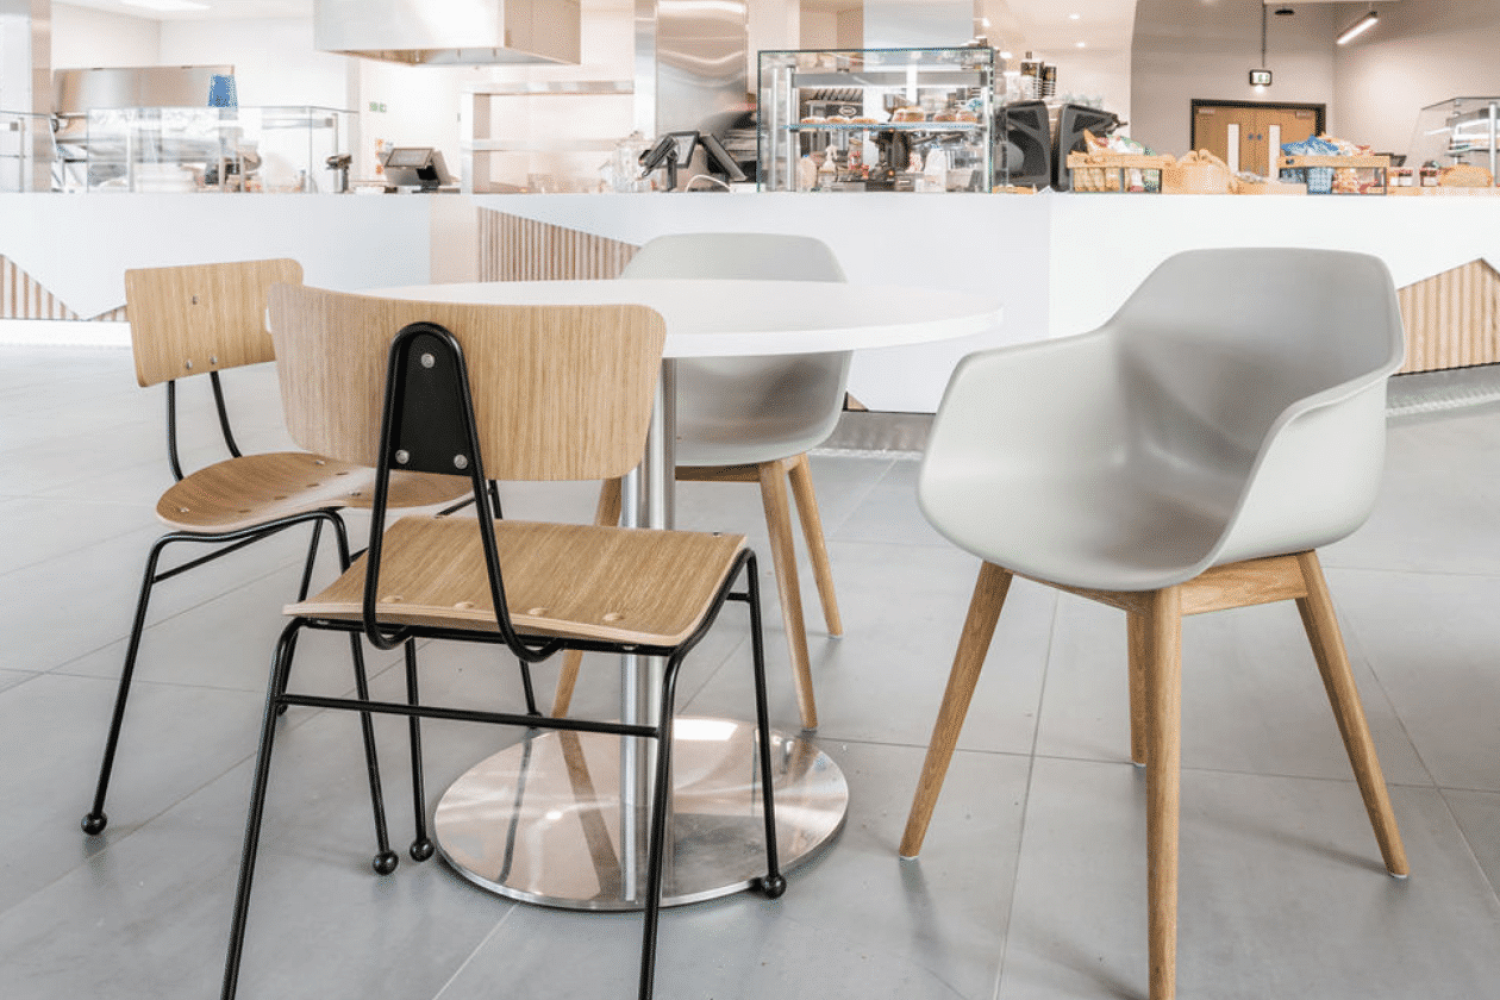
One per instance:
(560, 392)
(202, 317)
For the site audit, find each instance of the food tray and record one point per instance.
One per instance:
(1111, 173)
(1320, 171)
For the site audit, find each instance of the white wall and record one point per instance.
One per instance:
(83, 38)
(1205, 50)
(274, 60)
(820, 30)
(1421, 52)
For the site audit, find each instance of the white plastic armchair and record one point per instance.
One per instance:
(1188, 456)
(753, 419)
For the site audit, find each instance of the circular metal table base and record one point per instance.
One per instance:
(544, 820)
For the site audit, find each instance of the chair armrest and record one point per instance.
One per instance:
(1029, 410)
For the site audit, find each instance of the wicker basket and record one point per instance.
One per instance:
(1113, 173)
(1198, 173)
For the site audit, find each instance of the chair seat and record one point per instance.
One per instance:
(255, 489)
(651, 588)
(1099, 529)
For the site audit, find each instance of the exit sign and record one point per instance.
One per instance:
(1260, 78)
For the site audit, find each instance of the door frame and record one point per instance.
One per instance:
(1320, 125)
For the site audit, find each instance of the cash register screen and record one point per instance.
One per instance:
(410, 156)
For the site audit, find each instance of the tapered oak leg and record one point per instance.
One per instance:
(1163, 662)
(773, 495)
(812, 530)
(1333, 663)
(607, 514)
(1136, 626)
(979, 629)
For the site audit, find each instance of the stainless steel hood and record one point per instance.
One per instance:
(449, 32)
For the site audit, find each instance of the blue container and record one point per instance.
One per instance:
(221, 93)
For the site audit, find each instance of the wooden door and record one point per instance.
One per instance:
(1247, 136)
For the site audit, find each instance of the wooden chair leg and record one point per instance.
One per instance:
(1163, 689)
(607, 514)
(1338, 679)
(817, 549)
(1136, 627)
(773, 495)
(979, 628)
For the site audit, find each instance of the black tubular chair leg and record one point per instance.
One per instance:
(661, 798)
(312, 559)
(95, 820)
(385, 860)
(282, 664)
(773, 883)
(421, 845)
(310, 564)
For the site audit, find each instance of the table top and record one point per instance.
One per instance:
(724, 318)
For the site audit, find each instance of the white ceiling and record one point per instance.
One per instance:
(1042, 25)
(219, 9)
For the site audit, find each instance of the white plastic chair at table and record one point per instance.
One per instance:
(1188, 456)
(752, 419)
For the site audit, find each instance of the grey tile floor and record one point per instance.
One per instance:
(1032, 881)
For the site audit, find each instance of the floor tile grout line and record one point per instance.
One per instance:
(1469, 844)
(1036, 736)
(830, 531)
(469, 959)
(125, 636)
(1347, 624)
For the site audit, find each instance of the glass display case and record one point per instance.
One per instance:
(877, 120)
(26, 151)
(1461, 130)
(272, 149)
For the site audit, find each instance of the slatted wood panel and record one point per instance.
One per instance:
(1452, 319)
(21, 297)
(516, 249)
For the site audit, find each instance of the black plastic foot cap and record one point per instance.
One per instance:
(771, 886)
(421, 850)
(385, 862)
(94, 823)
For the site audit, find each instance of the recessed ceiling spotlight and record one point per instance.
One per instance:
(1083, 45)
(1074, 17)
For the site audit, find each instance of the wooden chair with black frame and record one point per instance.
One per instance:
(205, 319)
(515, 393)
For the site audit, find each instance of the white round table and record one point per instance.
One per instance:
(561, 818)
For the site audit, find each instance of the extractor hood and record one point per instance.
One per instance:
(449, 31)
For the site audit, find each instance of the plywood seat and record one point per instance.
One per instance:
(650, 588)
(252, 490)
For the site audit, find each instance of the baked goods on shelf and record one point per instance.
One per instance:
(1467, 175)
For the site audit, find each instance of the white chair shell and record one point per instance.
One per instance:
(1232, 408)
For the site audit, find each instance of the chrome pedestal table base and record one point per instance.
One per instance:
(543, 821)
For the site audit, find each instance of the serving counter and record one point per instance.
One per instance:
(1061, 263)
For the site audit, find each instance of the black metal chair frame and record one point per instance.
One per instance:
(95, 820)
(429, 419)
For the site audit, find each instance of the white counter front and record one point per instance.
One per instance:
(1060, 264)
